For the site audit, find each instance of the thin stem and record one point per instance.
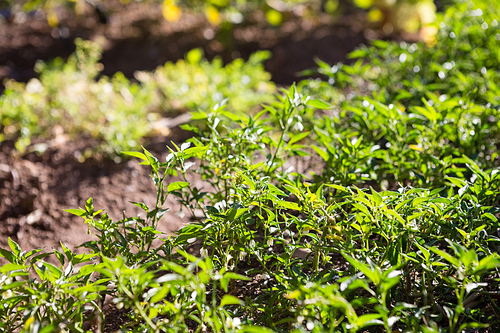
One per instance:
(285, 130)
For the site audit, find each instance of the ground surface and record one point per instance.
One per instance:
(35, 189)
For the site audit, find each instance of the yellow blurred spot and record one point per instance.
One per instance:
(28, 323)
(171, 12)
(274, 17)
(375, 15)
(52, 19)
(338, 238)
(428, 34)
(331, 6)
(80, 7)
(293, 294)
(213, 15)
(337, 229)
(412, 24)
(363, 3)
(426, 12)
(416, 147)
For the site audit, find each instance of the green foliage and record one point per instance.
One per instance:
(195, 83)
(460, 60)
(375, 213)
(67, 97)
(439, 100)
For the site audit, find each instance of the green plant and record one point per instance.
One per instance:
(378, 215)
(195, 83)
(68, 99)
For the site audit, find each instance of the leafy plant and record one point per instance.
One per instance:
(378, 215)
(68, 99)
(195, 83)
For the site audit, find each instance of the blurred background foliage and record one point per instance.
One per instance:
(119, 112)
(391, 15)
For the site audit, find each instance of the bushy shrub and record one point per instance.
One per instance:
(117, 112)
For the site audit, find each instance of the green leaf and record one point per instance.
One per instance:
(342, 303)
(231, 116)
(297, 138)
(288, 205)
(16, 249)
(316, 103)
(359, 53)
(487, 264)
(274, 190)
(89, 205)
(236, 213)
(396, 215)
(160, 294)
(369, 319)
(78, 212)
(321, 152)
(141, 205)
(374, 276)
(249, 182)
(54, 272)
(454, 261)
(39, 257)
(7, 255)
(456, 181)
(375, 196)
(338, 187)
(363, 209)
(230, 299)
(382, 44)
(67, 252)
(151, 160)
(193, 152)
(176, 186)
(425, 252)
(235, 276)
(135, 154)
(490, 216)
(255, 329)
(6, 268)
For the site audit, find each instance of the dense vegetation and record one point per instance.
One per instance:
(116, 111)
(367, 201)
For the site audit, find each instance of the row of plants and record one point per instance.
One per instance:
(116, 111)
(359, 203)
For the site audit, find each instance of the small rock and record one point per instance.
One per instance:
(34, 217)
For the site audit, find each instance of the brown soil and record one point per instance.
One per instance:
(35, 189)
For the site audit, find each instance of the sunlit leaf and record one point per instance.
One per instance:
(171, 12)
